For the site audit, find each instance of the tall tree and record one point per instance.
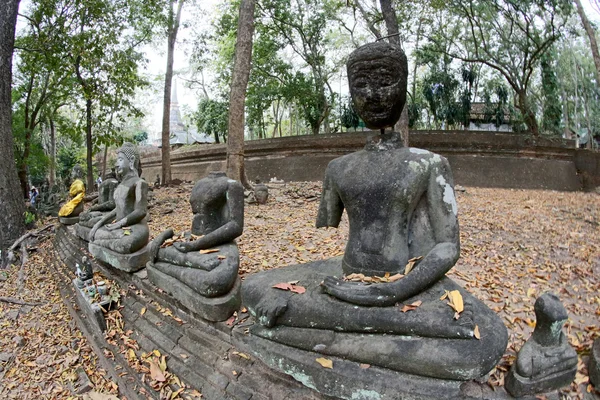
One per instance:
(509, 36)
(391, 22)
(237, 97)
(591, 34)
(173, 21)
(11, 201)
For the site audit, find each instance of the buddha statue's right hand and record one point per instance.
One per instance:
(182, 247)
(269, 308)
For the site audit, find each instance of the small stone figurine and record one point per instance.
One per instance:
(85, 274)
(546, 361)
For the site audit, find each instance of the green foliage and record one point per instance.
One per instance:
(66, 158)
(350, 118)
(439, 90)
(495, 97)
(140, 137)
(212, 118)
(552, 112)
(29, 217)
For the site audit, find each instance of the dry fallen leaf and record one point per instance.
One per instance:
(476, 333)
(143, 311)
(456, 301)
(290, 287)
(411, 307)
(156, 373)
(208, 251)
(241, 355)
(365, 366)
(325, 362)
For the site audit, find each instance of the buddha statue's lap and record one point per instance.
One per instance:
(210, 275)
(400, 204)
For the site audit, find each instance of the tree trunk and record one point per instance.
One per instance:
(89, 145)
(565, 106)
(104, 157)
(391, 23)
(237, 98)
(166, 133)
(592, 37)
(52, 173)
(11, 202)
(528, 115)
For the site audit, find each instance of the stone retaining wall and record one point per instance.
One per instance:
(484, 159)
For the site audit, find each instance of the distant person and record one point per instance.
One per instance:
(33, 194)
(98, 181)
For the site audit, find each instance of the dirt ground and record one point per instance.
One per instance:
(516, 245)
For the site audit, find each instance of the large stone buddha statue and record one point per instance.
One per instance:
(401, 206)
(122, 243)
(104, 205)
(202, 273)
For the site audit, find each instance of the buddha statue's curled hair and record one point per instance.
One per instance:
(133, 155)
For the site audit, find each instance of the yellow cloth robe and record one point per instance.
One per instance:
(77, 192)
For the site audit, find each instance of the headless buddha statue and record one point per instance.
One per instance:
(207, 265)
(129, 233)
(105, 204)
(69, 212)
(401, 205)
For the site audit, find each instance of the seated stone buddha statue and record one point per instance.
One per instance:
(202, 273)
(122, 243)
(69, 212)
(401, 205)
(105, 204)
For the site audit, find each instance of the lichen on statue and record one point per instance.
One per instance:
(129, 231)
(74, 206)
(400, 204)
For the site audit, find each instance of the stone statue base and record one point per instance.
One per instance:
(209, 308)
(427, 341)
(127, 262)
(83, 232)
(347, 379)
(594, 367)
(68, 220)
(520, 386)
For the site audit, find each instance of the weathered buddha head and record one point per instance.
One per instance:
(377, 74)
(128, 159)
(77, 172)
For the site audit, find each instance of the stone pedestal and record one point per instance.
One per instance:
(594, 366)
(520, 386)
(346, 379)
(83, 232)
(68, 220)
(126, 262)
(209, 308)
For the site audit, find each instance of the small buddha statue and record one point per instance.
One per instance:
(546, 361)
(122, 243)
(105, 204)
(401, 206)
(202, 273)
(69, 212)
